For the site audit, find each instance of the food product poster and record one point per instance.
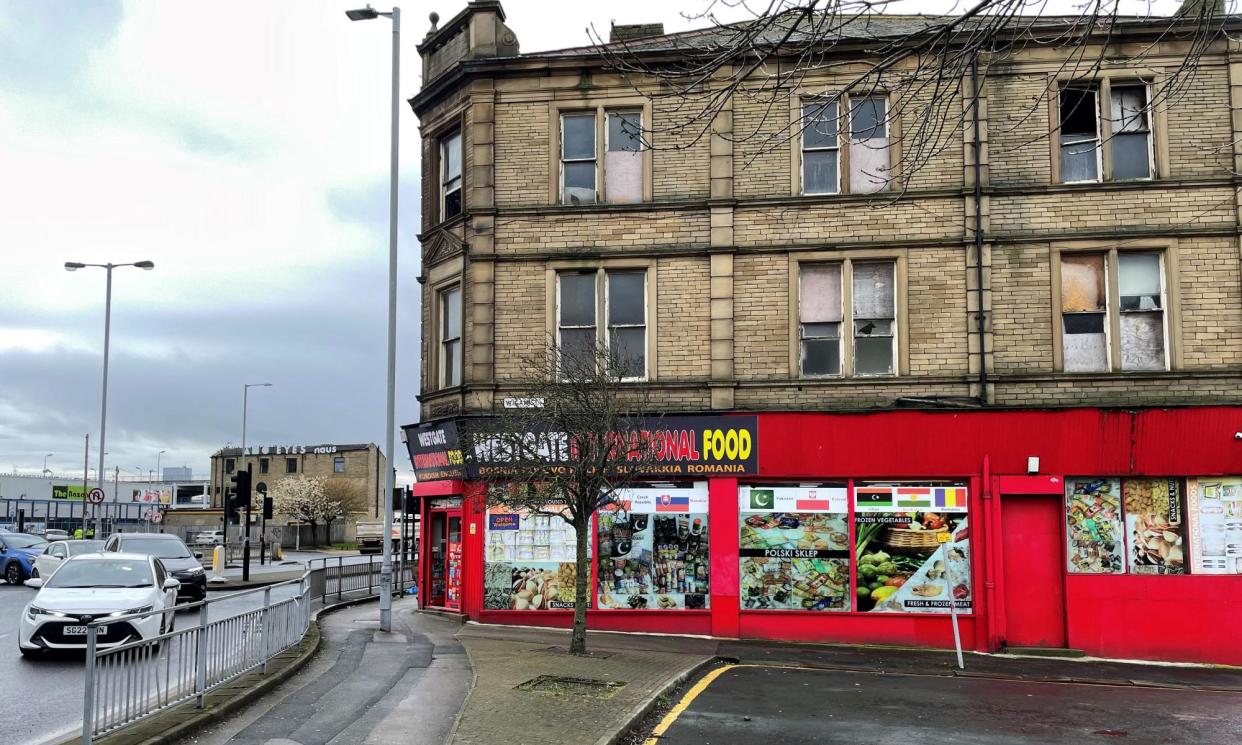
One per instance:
(530, 561)
(1095, 543)
(912, 560)
(793, 548)
(653, 560)
(1215, 509)
(1155, 525)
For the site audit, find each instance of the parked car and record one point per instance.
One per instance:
(56, 534)
(370, 537)
(56, 553)
(17, 555)
(171, 550)
(92, 586)
(209, 538)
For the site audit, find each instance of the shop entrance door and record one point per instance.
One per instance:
(1034, 588)
(444, 567)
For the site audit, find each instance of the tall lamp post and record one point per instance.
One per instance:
(240, 461)
(45, 471)
(366, 14)
(73, 266)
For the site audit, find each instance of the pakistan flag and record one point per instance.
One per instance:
(762, 499)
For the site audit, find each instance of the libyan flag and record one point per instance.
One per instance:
(873, 497)
(762, 499)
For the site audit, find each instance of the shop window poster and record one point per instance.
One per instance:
(912, 545)
(653, 550)
(1154, 525)
(1215, 507)
(794, 548)
(1095, 543)
(530, 562)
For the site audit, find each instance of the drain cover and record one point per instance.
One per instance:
(558, 685)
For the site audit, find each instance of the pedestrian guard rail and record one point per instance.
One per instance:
(128, 682)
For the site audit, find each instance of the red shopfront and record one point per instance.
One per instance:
(864, 528)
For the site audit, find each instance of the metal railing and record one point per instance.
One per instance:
(128, 682)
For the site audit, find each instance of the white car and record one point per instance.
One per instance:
(56, 534)
(92, 587)
(56, 553)
(209, 538)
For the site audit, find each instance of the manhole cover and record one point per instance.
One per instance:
(558, 685)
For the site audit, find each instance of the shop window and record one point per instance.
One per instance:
(450, 176)
(291, 465)
(450, 337)
(531, 561)
(263, 465)
(1118, 525)
(624, 295)
(653, 550)
(869, 144)
(1126, 108)
(1215, 516)
(821, 146)
(912, 545)
(794, 551)
(1089, 322)
(338, 464)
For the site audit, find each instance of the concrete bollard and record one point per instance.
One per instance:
(277, 553)
(217, 561)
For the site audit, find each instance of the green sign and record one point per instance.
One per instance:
(68, 491)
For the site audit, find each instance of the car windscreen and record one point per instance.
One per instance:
(84, 547)
(17, 540)
(164, 548)
(103, 573)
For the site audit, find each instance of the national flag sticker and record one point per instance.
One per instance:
(874, 498)
(762, 499)
(671, 503)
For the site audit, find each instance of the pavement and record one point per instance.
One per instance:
(363, 687)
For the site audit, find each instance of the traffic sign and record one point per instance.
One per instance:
(158, 517)
(96, 496)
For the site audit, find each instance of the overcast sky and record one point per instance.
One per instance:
(242, 147)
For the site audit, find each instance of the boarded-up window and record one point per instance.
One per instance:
(578, 158)
(1084, 313)
(1080, 134)
(819, 316)
(1131, 132)
(623, 158)
(869, 144)
(576, 318)
(874, 306)
(1141, 295)
(820, 148)
(627, 322)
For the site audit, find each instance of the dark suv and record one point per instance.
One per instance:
(171, 551)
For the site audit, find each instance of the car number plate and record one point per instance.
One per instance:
(81, 630)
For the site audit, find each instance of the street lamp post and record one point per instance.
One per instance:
(45, 471)
(246, 540)
(73, 266)
(366, 14)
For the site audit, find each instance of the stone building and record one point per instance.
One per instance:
(360, 465)
(868, 337)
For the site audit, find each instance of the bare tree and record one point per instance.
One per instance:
(931, 68)
(576, 440)
(344, 498)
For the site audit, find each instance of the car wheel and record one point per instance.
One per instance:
(34, 571)
(13, 573)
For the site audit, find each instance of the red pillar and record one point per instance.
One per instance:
(723, 527)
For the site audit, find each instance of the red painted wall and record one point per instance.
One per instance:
(1190, 618)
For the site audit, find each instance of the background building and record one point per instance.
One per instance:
(360, 465)
(1031, 347)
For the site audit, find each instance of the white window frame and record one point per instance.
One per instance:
(445, 180)
(595, 308)
(1107, 313)
(594, 159)
(848, 365)
(446, 354)
(609, 326)
(1097, 91)
(803, 149)
(1164, 311)
(1150, 114)
(894, 350)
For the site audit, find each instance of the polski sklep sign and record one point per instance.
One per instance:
(680, 446)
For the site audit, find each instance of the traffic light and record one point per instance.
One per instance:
(267, 508)
(241, 490)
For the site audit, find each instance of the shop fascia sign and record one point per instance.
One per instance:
(291, 450)
(682, 445)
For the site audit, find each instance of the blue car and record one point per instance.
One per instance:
(17, 555)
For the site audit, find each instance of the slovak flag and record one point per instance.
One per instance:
(670, 503)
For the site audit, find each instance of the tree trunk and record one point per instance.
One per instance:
(582, 585)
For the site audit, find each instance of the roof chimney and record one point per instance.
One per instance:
(634, 31)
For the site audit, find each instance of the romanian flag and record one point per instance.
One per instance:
(669, 503)
(952, 496)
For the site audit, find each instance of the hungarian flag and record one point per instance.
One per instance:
(669, 503)
(762, 499)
